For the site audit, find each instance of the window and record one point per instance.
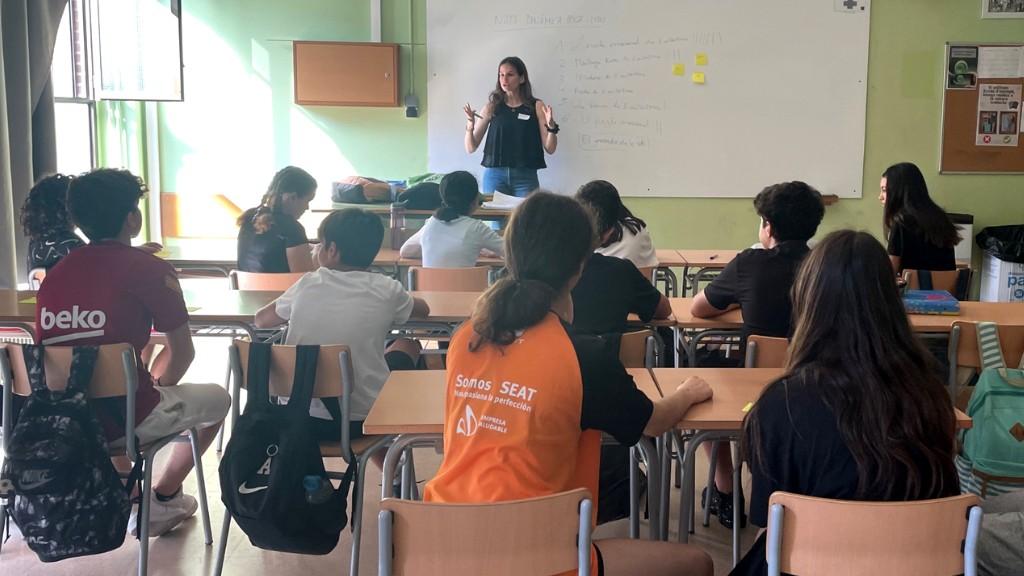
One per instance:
(74, 107)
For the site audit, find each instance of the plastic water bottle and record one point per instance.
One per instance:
(318, 489)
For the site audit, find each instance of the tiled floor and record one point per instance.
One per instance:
(182, 551)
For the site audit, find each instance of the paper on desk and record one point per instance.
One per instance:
(503, 201)
(30, 300)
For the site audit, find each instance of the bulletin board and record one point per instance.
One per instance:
(981, 109)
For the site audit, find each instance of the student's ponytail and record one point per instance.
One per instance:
(546, 242)
(459, 195)
(288, 179)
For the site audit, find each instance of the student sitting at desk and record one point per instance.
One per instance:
(344, 303)
(270, 238)
(759, 282)
(452, 238)
(920, 234)
(860, 413)
(125, 292)
(626, 235)
(565, 389)
(44, 217)
(611, 288)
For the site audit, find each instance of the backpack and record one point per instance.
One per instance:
(273, 448)
(994, 444)
(68, 499)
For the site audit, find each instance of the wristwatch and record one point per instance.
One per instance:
(553, 129)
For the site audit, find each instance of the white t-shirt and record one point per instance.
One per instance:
(453, 244)
(352, 308)
(637, 248)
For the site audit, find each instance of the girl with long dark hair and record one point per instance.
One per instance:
(519, 128)
(622, 234)
(270, 237)
(920, 234)
(861, 413)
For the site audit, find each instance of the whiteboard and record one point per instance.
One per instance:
(784, 96)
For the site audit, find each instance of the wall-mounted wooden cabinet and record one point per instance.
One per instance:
(346, 74)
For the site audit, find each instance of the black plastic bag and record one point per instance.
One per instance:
(1003, 242)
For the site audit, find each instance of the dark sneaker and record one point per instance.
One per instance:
(712, 506)
(725, 510)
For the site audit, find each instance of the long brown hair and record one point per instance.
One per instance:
(290, 179)
(853, 346)
(609, 211)
(547, 239)
(525, 89)
(907, 202)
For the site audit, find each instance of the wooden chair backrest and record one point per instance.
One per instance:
(534, 536)
(449, 279)
(956, 282)
(108, 376)
(1011, 339)
(263, 281)
(633, 349)
(282, 369)
(766, 352)
(840, 537)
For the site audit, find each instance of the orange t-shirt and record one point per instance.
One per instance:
(525, 420)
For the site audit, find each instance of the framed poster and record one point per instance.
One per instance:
(1002, 8)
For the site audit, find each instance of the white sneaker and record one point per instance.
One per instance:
(164, 516)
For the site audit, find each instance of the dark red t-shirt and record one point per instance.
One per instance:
(107, 293)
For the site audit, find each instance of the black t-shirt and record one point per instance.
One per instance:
(513, 138)
(266, 252)
(759, 281)
(608, 290)
(802, 451)
(916, 252)
(611, 401)
(46, 252)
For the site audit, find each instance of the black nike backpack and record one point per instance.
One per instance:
(272, 449)
(68, 499)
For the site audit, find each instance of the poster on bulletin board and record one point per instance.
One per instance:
(981, 124)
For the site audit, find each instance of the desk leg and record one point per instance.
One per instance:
(394, 454)
(634, 495)
(737, 510)
(686, 459)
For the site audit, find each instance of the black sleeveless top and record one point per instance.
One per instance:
(513, 138)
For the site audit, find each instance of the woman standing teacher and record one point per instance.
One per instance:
(519, 129)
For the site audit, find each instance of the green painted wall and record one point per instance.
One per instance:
(238, 123)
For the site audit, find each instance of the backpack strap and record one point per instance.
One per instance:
(83, 361)
(257, 377)
(989, 349)
(306, 357)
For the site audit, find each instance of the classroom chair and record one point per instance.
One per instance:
(270, 282)
(545, 535)
(963, 353)
(334, 379)
(766, 352)
(809, 535)
(114, 375)
(36, 277)
(474, 279)
(956, 282)
(637, 349)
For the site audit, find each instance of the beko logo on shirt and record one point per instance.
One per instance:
(72, 319)
(91, 321)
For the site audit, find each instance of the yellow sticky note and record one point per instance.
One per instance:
(678, 69)
(748, 407)
(31, 300)
(192, 309)
(162, 254)
(698, 77)
(702, 59)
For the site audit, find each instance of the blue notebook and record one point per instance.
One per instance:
(930, 302)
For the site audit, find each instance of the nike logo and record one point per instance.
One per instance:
(243, 489)
(29, 486)
(32, 479)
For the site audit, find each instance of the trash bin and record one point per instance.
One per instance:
(965, 225)
(1002, 267)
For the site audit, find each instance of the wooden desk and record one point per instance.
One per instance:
(213, 255)
(668, 257)
(710, 259)
(384, 209)
(1010, 314)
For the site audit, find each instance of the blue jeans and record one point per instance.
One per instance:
(512, 181)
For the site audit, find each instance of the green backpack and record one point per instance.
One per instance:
(995, 442)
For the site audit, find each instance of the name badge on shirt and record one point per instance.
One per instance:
(524, 116)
